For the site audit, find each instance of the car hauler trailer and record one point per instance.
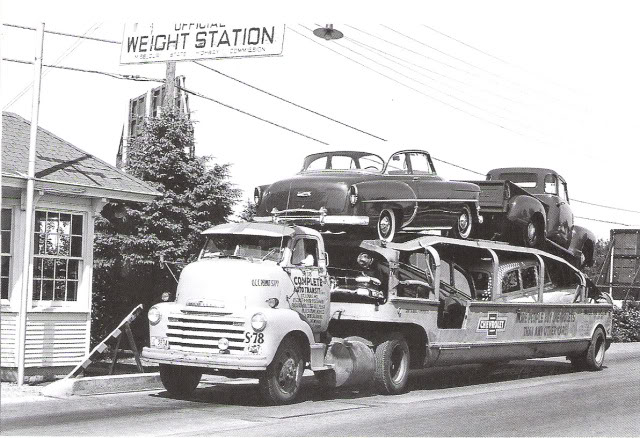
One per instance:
(267, 300)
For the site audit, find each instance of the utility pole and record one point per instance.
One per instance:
(170, 85)
(26, 264)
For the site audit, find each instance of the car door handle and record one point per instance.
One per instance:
(415, 178)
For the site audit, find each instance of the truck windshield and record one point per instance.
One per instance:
(244, 246)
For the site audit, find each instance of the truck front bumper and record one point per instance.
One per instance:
(243, 362)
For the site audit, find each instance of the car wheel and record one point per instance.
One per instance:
(392, 365)
(593, 358)
(280, 383)
(179, 381)
(531, 234)
(464, 224)
(387, 225)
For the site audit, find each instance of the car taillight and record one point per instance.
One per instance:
(353, 195)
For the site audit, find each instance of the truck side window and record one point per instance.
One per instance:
(510, 282)
(305, 252)
(550, 184)
(461, 282)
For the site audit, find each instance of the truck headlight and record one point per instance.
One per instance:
(154, 316)
(258, 322)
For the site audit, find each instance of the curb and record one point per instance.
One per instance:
(103, 385)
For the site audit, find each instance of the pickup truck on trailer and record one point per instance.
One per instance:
(530, 207)
(267, 300)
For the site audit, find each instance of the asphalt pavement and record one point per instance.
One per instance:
(522, 398)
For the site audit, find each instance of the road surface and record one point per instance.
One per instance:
(522, 398)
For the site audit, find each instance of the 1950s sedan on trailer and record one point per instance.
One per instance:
(358, 190)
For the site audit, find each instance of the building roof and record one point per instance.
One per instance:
(59, 163)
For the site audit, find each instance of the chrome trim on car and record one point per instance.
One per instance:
(308, 215)
(422, 200)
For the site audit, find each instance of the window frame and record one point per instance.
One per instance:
(81, 260)
(7, 301)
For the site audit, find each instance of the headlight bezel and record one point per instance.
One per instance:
(154, 315)
(258, 322)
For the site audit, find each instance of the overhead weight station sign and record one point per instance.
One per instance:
(145, 43)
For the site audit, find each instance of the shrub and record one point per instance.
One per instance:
(626, 322)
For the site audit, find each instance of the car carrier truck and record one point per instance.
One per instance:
(268, 300)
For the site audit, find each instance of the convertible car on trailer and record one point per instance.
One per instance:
(358, 190)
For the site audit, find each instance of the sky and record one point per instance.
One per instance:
(479, 84)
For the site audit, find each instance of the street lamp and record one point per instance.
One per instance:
(328, 33)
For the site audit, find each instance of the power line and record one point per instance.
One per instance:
(458, 166)
(495, 57)
(66, 53)
(83, 70)
(412, 51)
(288, 101)
(416, 90)
(249, 114)
(606, 222)
(103, 40)
(605, 206)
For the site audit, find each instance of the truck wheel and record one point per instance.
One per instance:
(593, 358)
(464, 224)
(179, 381)
(532, 234)
(387, 225)
(280, 383)
(392, 365)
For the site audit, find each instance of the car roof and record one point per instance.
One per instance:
(540, 171)
(352, 154)
(258, 228)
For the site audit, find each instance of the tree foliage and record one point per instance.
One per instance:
(131, 238)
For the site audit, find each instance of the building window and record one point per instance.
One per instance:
(58, 241)
(5, 254)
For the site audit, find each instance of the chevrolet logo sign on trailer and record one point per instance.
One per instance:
(153, 42)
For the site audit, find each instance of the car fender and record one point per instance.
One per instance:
(373, 196)
(521, 209)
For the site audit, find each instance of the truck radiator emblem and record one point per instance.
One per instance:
(303, 194)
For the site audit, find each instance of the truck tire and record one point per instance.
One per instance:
(463, 227)
(392, 365)
(593, 358)
(387, 225)
(179, 381)
(532, 234)
(280, 383)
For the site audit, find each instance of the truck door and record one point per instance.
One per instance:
(556, 216)
(311, 289)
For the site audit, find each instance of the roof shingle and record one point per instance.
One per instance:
(60, 161)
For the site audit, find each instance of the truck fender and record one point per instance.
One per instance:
(284, 323)
(582, 239)
(522, 208)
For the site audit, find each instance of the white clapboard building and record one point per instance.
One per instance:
(71, 187)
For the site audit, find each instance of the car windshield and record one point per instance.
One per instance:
(369, 162)
(244, 246)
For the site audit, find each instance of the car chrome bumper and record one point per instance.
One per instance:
(302, 219)
(248, 362)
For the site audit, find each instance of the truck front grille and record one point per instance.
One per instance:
(201, 333)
